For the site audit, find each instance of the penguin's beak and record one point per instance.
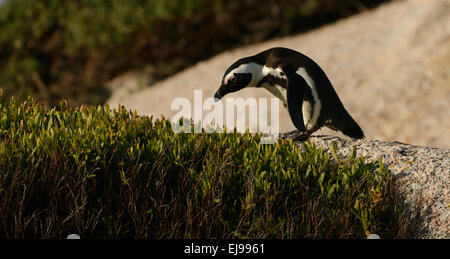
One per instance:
(219, 94)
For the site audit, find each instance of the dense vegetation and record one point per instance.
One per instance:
(108, 173)
(61, 48)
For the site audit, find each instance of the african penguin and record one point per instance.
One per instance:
(299, 83)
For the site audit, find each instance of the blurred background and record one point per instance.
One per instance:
(389, 61)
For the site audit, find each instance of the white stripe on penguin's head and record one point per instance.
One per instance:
(248, 68)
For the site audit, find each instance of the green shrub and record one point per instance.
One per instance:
(107, 173)
(70, 49)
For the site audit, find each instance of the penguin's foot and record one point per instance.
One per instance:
(302, 136)
(296, 135)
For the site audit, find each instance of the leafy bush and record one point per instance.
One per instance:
(61, 48)
(107, 173)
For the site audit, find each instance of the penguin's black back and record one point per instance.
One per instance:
(333, 113)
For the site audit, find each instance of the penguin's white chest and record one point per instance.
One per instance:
(310, 112)
(278, 91)
(307, 112)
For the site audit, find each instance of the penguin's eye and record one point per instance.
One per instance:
(232, 79)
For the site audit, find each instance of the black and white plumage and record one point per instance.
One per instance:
(299, 83)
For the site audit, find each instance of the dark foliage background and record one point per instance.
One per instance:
(61, 48)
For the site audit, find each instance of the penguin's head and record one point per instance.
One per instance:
(239, 75)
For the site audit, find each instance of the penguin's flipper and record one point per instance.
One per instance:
(296, 89)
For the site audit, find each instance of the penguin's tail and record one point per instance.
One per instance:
(348, 126)
(352, 129)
